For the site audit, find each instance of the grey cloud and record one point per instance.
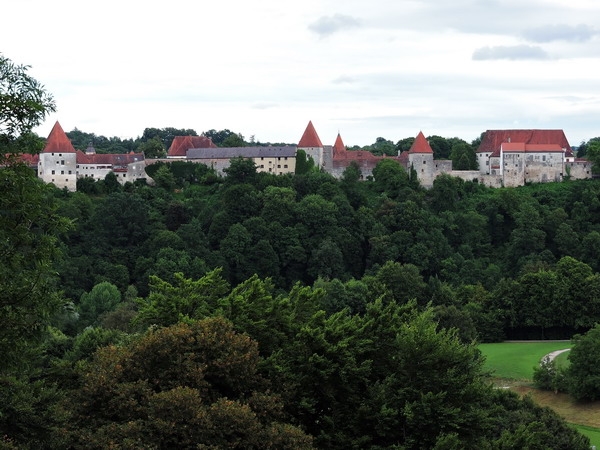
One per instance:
(510, 52)
(327, 25)
(344, 79)
(569, 33)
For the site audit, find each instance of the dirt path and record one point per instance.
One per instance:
(555, 353)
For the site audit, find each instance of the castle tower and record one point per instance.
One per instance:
(420, 157)
(58, 161)
(311, 144)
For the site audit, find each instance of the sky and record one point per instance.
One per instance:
(265, 68)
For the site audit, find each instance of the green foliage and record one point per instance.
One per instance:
(153, 148)
(29, 415)
(165, 135)
(304, 163)
(224, 137)
(583, 373)
(549, 377)
(29, 230)
(103, 298)
(24, 103)
(185, 299)
(184, 386)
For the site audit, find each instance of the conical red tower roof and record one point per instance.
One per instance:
(58, 142)
(420, 145)
(310, 138)
(339, 146)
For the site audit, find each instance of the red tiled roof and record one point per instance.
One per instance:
(404, 157)
(338, 147)
(58, 142)
(115, 159)
(181, 144)
(310, 138)
(420, 145)
(522, 147)
(493, 138)
(26, 158)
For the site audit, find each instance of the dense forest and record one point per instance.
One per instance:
(279, 312)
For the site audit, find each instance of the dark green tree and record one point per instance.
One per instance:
(583, 373)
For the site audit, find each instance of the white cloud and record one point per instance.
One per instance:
(513, 52)
(378, 68)
(550, 33)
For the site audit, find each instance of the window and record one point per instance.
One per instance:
(60, 154)
(62, 172)
(69, 172)
(62, 161)
(279, 166)
(285, 166)
(124, 175)
(544, 158)
(424, 162)
(53, 172)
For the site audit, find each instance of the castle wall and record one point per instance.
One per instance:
(423, 164)
(59, 169)
(579, 170)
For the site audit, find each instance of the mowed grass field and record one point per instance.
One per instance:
(512, 364)
(516, 360)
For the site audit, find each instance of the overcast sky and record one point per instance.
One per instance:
(264, 68)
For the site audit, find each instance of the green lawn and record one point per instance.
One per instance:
(592, 433)
(516, 360)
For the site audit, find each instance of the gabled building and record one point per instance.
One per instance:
(181, 144)
(515, 157)
(270, 159)
(60, 164)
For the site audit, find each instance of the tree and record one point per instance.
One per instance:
(304, 163)
(383, 146)
(190, 385)
(24, 103)
(241, 170)
(29, 224)
(103, 298)
(583, 373)
(165, 135)
(153, 148)
(593, 154)
(390, 177)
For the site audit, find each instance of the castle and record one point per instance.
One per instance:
(506, 158)
(60, 164)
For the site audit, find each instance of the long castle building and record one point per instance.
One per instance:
(506, 158)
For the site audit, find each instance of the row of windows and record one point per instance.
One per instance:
(62, 172)
(285, 166)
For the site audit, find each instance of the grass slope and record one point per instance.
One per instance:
(516, 360)
(512, 363)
